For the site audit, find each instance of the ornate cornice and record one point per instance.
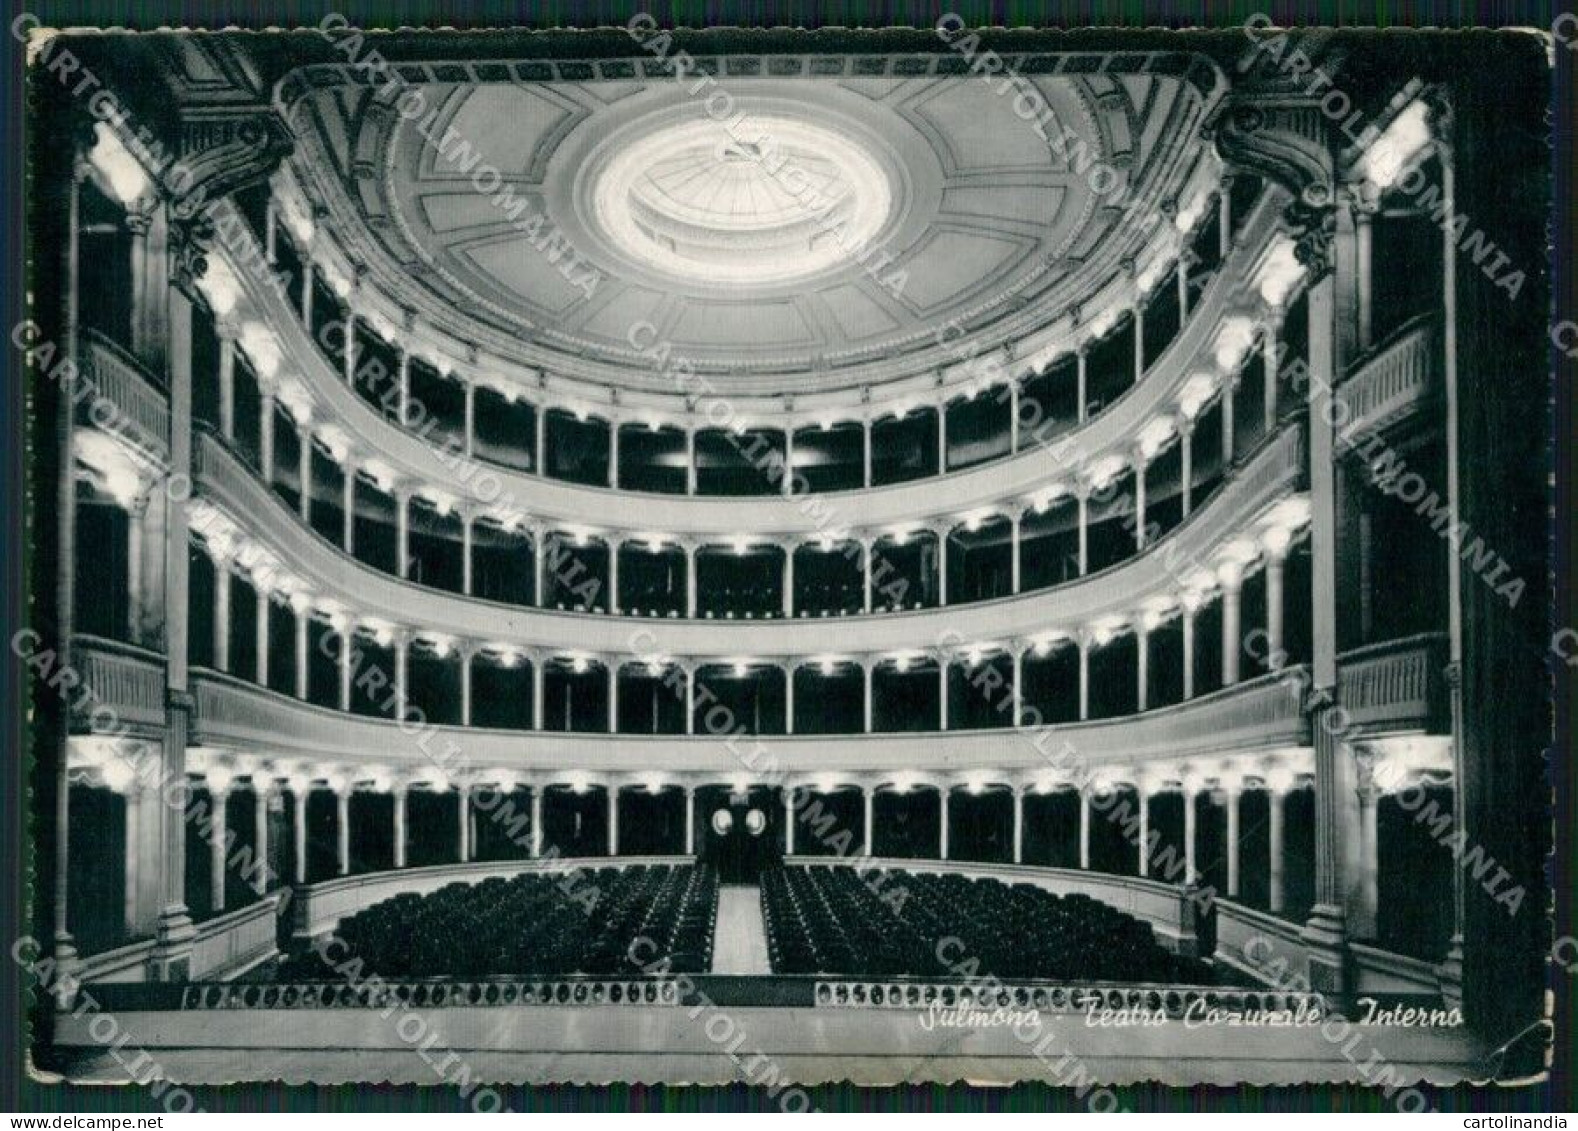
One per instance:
(223, 153)
(1286, 140)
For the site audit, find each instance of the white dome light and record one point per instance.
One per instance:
(777, 200)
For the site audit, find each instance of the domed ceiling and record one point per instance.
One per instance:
(765, 225)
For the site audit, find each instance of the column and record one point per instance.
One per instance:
(1364, 287)
(1080, 384)
(1018, 654)
(345, 667)
(942, 437)
(1186, 455)
(149, 282)
(942, 682)
(613, 544)
(1014, 520)
(350, 358)
(690, 699)
(463, 820)
(1143, 792)
(1234, 792)
(1368, 794)
(537, 791)
(270, 231)
(303, 621)
(788, 670)
(342, 827)
(400, 792)
(466, 537)
(1188, 652)
(1331, 320)
(1224, 216)
(348, 507)
(868, 669)
(471, 419)
(539, 562)
(867, 549)
(306, 290)
(789, 821)
(1276, 801)
(262, 637)
(1276, 558)
(690, 462)
(1183, 291)
(266, 435)
(218, 800)
(222, 615)
(298, 796)
(942, 565)
(1268, 346)
(1084, 829)
(690, 820)
(613, 453)
(402, 532)
(613, 819)
(137, 597)
(401, 657)
(304, 473)
(1019, 824)
(1142, 666)
(944, 796)
(541, 447)
(1082, 493)
(466, 657)
(691, 552)
(227, 383)
(539, 663)
(865, 452)
(1139, 342)
(1084, 676)
(868, 817)
(1013, 416)
(1229, 388)
(1232, 632)
(1191, 875)
(788, 578)
(788, 483)
(1139, 501)
(613, 696)
(262, 788)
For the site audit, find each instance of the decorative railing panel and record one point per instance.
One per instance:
(122, 687)
(1393, 381)
(139, 410)
(1396, 685)
(231, 942)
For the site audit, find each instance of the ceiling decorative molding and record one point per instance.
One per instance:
(970, 218)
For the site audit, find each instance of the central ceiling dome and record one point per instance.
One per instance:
(751, 201)
(804, 224)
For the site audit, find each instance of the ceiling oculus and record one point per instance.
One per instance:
(758, 200)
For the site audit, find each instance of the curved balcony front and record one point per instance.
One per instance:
(344, 584)
(1063, 460)
(230, 714)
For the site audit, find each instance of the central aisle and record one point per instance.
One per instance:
(739, 945)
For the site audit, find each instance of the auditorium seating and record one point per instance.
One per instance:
(547, 924)
(835, 920)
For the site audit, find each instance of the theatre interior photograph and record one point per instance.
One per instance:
(787, 557)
